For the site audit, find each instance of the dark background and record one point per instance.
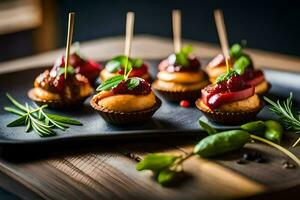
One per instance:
(267, 25)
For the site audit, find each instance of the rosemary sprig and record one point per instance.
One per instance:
(37, 119)
(284, 110)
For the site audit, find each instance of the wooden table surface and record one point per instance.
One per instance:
(102, 170)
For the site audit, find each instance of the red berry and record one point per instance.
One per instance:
(235, 83)
(184, 103)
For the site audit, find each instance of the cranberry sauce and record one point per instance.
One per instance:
(142, 88)
(169, 65)
(233, 89)
(89, 68)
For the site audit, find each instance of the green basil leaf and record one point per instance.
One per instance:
(110, 83)
(113, 66)
(182, 59)
(132, 83)
(236, 50)
(156, 162)
(241, 64)
(137, 62)
(65, 120)
(167, 177)
(18, 122)
(210, 130)
(187, 49)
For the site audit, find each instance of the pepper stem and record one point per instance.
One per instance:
(296, 143)
(280, 148)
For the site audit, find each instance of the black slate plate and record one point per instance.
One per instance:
(169, 119)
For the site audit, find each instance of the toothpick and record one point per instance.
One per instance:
(222, 33)
(128, 39)
(176, 22)
(69, 40)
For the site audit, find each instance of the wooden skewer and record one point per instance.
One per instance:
(176, 22)
(129, 34)
(222, 33)
(69, 40)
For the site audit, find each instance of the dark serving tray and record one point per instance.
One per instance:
(169, 119)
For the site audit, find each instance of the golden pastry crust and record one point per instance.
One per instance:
(104, 75)
(215, 72)
(245, 105)
(173, 86)
(126, 102)
(262, 87)
(182, 77)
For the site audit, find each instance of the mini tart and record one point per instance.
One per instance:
(73, 92)
(180, 85)
(125, 108)
(230, 101)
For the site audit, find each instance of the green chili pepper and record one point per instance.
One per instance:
(221, 143)
(273, 131)
(256, 127)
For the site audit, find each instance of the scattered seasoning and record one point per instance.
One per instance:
(184, 103)
(287, 165)
(253, 156)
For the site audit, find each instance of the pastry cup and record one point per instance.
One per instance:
(124, 118)
(229, 117)
(57, 104)
(177, 95)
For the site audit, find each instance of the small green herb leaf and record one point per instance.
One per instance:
(63, 119)
(36, 119)
(210, 130)
(236, 50)
(241, 64)
(110, 83)
(156, 162)
(187, 49)
(16, 103)
(133, 82)
(113, 66)
(18, 122)
(137, 62)
(225, 77)
(70, 70)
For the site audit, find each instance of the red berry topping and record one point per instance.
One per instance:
(88, 68)
(184, 103)
(235, 83)
(141, 89)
